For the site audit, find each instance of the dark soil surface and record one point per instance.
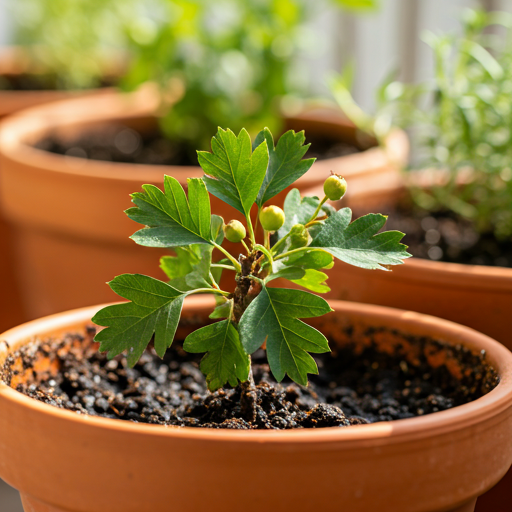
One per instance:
(443, 236)
(28, 82)
(119, 143)
(355, 386)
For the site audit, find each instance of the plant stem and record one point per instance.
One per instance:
(280, 242)
(248, 397)
(317, 211)
(209, 290)
(286, 254)
(246, 248)
(237, 266)
(266, 237)
(220, 265)
(215, 285)
(251, 231)
(267, 254)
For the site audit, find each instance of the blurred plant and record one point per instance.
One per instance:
(78, 41)
(217, 63)
(460, 122)
(224, 63)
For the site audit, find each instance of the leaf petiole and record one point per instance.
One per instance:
(209, 290)
(237, 266)
(220, 265)
(317, 211)
(286, 254)
(267, 254)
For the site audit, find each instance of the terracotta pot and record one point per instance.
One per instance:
(62, 462)
(71, 235)
(15, 61)
(474, 295)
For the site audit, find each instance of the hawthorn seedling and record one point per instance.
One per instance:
(308, 234)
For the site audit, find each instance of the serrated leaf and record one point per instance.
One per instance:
(155, 308)
(312, 258)
(225, 359)
(222, 310)
(313, 280)
(289, 273)
(285, 164)
(190, 268)
(168, 216)
(273, 315)
(358, 243)
(299, 210)
(233, 172)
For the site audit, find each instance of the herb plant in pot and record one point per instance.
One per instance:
(432, 463)
(457, 211)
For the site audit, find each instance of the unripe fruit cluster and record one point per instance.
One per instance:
(299, 236)
(272, 218)
(234, 231)
(335, 187)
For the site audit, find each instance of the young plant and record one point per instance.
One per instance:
(307, 235)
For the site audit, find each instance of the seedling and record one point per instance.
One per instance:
(307, 235)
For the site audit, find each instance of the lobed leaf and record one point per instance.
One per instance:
(169, 220)
(233, 172)
(273, 316)
(225, 359)
(359, 243)
(155, 309)
(285, 164)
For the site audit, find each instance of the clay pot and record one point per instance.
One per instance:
(62, 462)
(478, 296)
(15, 61)
(474, 295)
(70, 233)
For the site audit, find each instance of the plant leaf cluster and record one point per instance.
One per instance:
(244, 176)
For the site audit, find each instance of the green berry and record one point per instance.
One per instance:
(272, 218)
(335, 187)
(299, 236)
(234, 231)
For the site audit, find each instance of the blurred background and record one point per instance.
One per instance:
(307, 42)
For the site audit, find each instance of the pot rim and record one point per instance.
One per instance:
(112, 106)
(479, 411)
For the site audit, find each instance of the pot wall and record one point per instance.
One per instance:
(70, 232)
(437, 463)
(14, 61)
(473, 295)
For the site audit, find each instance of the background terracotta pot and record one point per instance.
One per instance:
(14, 62)
(70, 232)
(474, 295)
(62, 461)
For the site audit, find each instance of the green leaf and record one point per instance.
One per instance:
(169, 219)
(274, 315)
(155, 308)
(314, 259)
(222, 310)
(289, 273)
(191, 267)
(358, 243)
(233, 172)
(313, 280)
(285, 164)
(225, 359)
(299, 210)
